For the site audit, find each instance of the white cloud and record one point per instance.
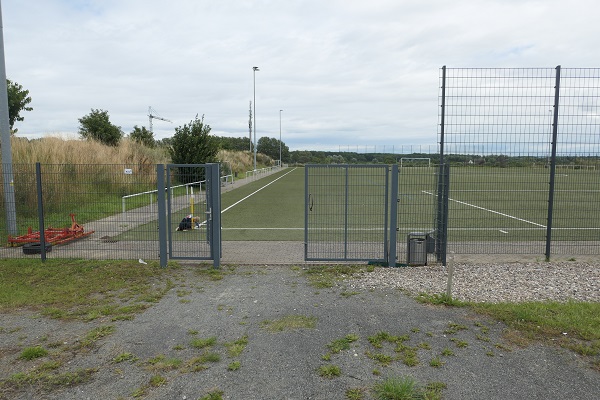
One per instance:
(346, 73)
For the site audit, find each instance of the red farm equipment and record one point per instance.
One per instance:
(52, 236)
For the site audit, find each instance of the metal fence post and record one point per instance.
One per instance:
(40, 204)
(441, 229)
(442, 201)
(393, 218)
(162, 217)
(215, 207)
(553, 165)
(346, 200)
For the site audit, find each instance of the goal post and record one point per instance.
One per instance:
(415, 162)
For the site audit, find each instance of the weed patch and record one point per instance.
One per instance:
(200, 343)
(96, 334)
(290, 322)
(215, 394)
(322, 277)
(329, 371)
(30, 353)
(406, 388)
(236, 347)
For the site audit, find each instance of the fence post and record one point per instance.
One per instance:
(442, 225)
(215, 207)
(442, 200)
(393, 218)
(162, 219)
(553, 165)
(40, 203)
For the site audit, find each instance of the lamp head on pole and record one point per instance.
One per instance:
(255, 69)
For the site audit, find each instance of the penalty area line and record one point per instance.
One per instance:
(491, 211)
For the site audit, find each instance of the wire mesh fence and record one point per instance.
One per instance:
(521, 156)
(417, 206)
(524, 145)
(346, 212)
(89, 211)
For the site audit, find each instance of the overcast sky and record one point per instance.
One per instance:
(350, 75)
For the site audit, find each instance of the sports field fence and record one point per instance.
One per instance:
(524, 150)
(517, 172)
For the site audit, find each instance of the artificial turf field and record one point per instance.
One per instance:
(485, 204)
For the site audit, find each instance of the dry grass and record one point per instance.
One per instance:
(76, 161)
(242, 161)
(56, 150)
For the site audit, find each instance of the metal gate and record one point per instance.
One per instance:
(190, 224)
(346, 212)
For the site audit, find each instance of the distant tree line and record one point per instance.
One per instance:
(492, 160)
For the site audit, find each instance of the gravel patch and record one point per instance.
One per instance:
(494, 283)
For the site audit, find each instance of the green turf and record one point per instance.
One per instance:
(487, 204)
(275, 212)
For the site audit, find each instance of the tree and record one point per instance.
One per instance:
(192, 144)
(18, 99)
(97, 126)
(143, 136)
(270, 147)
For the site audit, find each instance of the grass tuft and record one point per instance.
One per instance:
(30, 353)
(330, 371)
(290, 322)
(407, 388)
(200, 343)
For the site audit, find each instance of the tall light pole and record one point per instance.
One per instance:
(7, 164)
(280, 165)
(254, 69)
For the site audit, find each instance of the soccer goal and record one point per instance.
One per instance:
(415, 162)
(575, 166)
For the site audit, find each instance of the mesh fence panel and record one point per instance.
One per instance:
(508, 184)
(346, 212)
(105, 224)
(417, 204)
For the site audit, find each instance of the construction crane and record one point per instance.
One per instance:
(152, 115)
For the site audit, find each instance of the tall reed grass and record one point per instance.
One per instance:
(73, 169)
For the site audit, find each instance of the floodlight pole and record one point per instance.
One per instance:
(254, 69)
(7, 164)
(280, 163)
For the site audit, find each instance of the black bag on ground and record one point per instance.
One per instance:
(185, 224)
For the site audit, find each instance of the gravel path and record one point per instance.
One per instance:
(494, 283)
(162, 355)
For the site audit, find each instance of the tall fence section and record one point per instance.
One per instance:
(517, 172)
(91, 208)
(524, 150)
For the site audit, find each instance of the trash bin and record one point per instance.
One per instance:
(416, 249)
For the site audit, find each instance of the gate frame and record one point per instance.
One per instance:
(386, 224)
(213, 202)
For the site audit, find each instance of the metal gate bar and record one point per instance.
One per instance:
(203, 240)
(346, 212)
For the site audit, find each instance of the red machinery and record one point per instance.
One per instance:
(52, 235)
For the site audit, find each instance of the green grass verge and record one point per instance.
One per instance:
(84, 289)
(574, 324)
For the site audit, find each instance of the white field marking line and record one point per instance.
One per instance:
(311, 229)
(528, 191)
(492, 211)
(523, 229)
(251, 194)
